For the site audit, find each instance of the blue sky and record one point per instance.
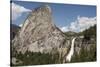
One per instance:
(63, 14)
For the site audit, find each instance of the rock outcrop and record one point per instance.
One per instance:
(39, 33)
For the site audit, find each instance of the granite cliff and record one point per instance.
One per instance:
(39, 33)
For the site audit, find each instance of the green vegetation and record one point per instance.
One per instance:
(70, 34)
(36, 58)
(85, 55)
(89, 33)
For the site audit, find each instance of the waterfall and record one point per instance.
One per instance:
(71, 52)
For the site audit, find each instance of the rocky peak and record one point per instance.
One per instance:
(38, 33)
(46, 7)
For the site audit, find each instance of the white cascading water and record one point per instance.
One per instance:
(71, 52)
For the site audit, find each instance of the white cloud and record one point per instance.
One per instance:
(86, 22)
(20, 25)
(17, 11)
(64, 29)
(80, 24)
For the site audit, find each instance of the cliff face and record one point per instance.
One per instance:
(39, 34)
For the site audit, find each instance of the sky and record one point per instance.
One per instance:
(67, 17)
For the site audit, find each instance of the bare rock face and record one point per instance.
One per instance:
(39, 34)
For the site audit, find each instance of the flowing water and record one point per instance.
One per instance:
(71, 52)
